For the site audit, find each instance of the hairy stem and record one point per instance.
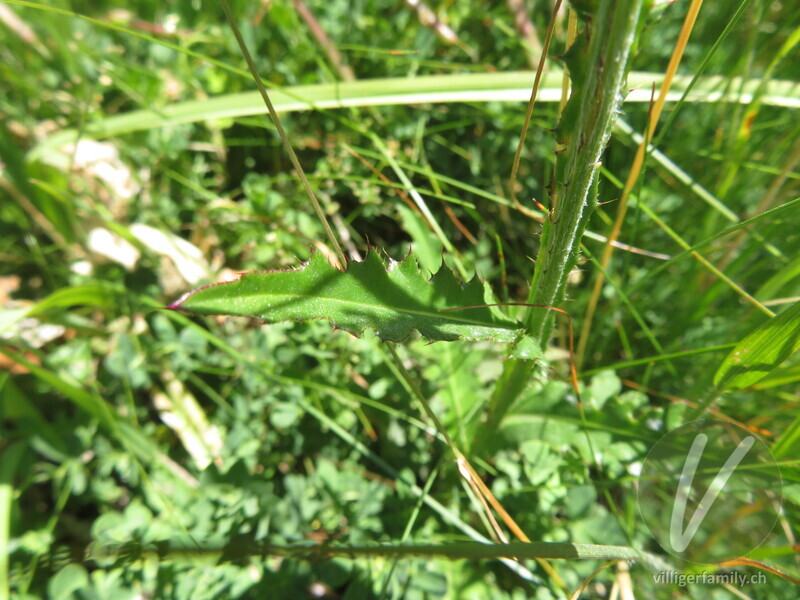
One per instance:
(598, 64)
(583, 133)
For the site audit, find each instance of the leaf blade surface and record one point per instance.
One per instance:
(393, 302)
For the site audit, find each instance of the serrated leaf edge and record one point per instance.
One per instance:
(393, 265)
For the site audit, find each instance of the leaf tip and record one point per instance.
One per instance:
(176, 305)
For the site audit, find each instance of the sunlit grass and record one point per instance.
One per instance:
(178, 181)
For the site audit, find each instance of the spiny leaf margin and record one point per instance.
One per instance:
(394, 301)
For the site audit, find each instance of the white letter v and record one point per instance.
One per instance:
(680, 539)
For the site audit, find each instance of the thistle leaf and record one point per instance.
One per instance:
(393, 302)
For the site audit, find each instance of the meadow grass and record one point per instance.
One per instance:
(147, 452)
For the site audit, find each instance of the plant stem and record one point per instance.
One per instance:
(583, 133)
(598, 64)
(243, 546)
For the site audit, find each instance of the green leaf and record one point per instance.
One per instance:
(426, 247)
(605, 384)
(761, 351)
(392, 302)
(527, 348)
(68, 580)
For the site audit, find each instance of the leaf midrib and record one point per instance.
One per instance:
(438, 314)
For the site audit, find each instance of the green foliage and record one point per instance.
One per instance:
(148, 438)
(761, 351)
(598, 65)
(393, 302)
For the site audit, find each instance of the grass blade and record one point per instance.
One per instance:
(761, 351)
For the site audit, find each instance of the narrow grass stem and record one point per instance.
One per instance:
(8, 469)
(301, 174)
(512, 181)
(636, 169)
(420, 397)
(465, 468)
(244, 547)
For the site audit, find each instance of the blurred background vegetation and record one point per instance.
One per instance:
(123, 422)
